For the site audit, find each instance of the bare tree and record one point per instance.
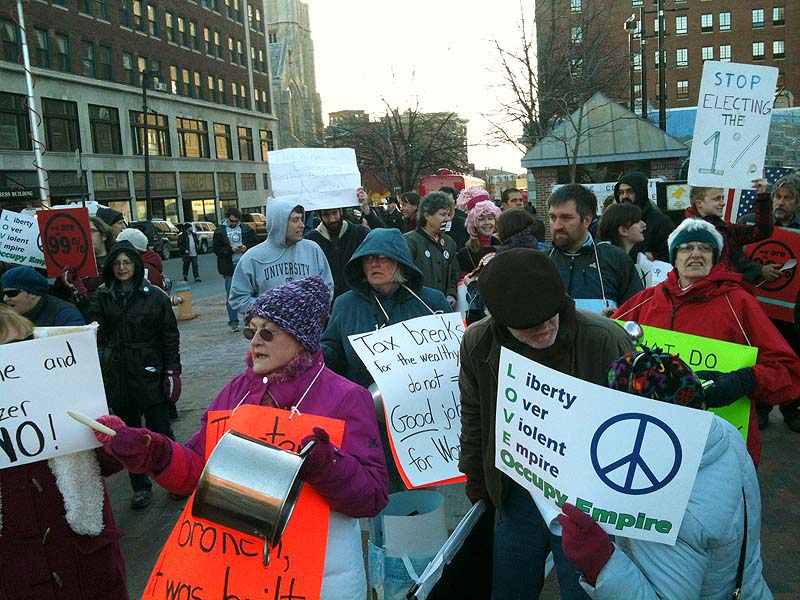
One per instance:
(401, 146)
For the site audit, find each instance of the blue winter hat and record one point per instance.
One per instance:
(26, 279)
(695, 230)
(299, 307)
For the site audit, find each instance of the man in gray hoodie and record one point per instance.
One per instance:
(283, 257)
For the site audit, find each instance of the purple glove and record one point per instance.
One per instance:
(139, 450)
(319, 458)
(74, 282)
(585, 545)
(172, 385)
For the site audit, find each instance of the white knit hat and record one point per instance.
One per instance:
(695, 230)
(136, 238)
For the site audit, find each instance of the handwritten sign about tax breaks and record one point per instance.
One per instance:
(205, 560)
(67, 241)
(415, 364)
(40, 380)
(733, 115)
(627, 461)
(778, 297)
(19, 240)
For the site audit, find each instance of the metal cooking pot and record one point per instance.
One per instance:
(250, 486)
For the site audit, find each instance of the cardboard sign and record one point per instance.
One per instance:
(315, 178)
(603, 190)
(67, 241)
(202, 559)
(627, 461)
(778, 297)
(39, 381)
(20, 242)
(733, 116)
(415, 365)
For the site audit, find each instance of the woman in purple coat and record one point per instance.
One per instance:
(286, 370)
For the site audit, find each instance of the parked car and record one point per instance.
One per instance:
(162, 235)
(258, 223)
(205, 234)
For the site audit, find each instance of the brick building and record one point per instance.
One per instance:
(211, 118)
(743, 31)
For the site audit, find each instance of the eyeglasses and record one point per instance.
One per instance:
(377, 258)
(265, 334)
(11, 293)
(119, 264)
(690, 248)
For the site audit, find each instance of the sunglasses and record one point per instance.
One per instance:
(11, 293)
(265, 334)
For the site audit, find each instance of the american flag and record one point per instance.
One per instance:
(740, 202)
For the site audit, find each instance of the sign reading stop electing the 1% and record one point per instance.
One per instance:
(67, 241)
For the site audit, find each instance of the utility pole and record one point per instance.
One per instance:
(662, 76)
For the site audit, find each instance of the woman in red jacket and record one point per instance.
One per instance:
(701, 297)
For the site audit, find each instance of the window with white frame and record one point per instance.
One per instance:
(724, 21)
(576, 34)
(758, 50)
(707, 23)
(575, 6)
(708, 53)
(683, 90)
(778, 49)
(682, 57)
(778, 16)
(725, 53)
(758, 17)
(681, 25)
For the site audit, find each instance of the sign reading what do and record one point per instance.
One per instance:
(415, 365)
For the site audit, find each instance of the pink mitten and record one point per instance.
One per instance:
(139, 450)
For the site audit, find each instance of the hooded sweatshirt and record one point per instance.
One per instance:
(659, 225)
(273, 263)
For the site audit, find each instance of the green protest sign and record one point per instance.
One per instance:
(706, 354)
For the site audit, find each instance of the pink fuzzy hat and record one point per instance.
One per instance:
(469, 197)
(483, 207)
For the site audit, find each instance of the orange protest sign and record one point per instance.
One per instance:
(778, 297)
(204, 560)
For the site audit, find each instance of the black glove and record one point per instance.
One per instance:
(728, 387)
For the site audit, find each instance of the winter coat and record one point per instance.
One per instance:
(458, 229)
(365, 309)
(595, 342)
(393, 219)
(738, 235)
(338, 251)
(155, 267)
(41, 556)
(437, 262)
(183, 243)
(597, 270)
(222, 247)
(138, 337)
(272, 263)
(468, 261)
(50, 311)
(355, 485)
(703, 562)
(659, 225)
(714, 307)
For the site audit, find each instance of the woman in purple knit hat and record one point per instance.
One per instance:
(286, 370)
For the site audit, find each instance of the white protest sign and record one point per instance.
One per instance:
(415, 365)
(627, 461)
(20, 242)
(315, 178)
(652, 272)
(40, 380)
(730, 133)
(603, 190)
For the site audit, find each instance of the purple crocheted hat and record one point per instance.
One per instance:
(299, 307)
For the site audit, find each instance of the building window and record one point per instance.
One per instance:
(231, 54)
(192, 138)
(194, 35)
(244, 96)
(575, 6)
(174, 84)
(657, 57)
(169, 20)
(724, 21)
(104, 122)
(138, 16)
(12, 45)
(637, 62)
(267, 142)
(725, 53)
(758, 17)
(183, 32)
(637, 3)
(157, 134)
(89, 60)
(682, 57)
(240, 52)
(218, 44)
(222, 140)
(576, 34)
(127, 68)
(681, 25)
(253, 59)
(708, 53)
(207, 39)
(706, 22)
(234, 94)
(152, 21)
(778, 16)
(125, 13)
(245, 143)
(43, 48)
(198, 84)
(272, 37)
(212, 90)
(85, 7)
(248, 182)
(63, 56)
(105, 60)
(187, 83)
(262, 64)
(758, 50)
(14, 124)
(265, 100)
(221, 90)
(778, 49)
(683, 90)
(61, 125)
(101, 8)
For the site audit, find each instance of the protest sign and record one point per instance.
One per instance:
(778, 297)
(202, 559)
(603, 190)
(40, 380)
(651, 272)
(20, 242)
(732, 125)
(415, 365)
(627, 461)
(67, 241)
(315, 178)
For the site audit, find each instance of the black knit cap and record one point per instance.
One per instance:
(522, 288)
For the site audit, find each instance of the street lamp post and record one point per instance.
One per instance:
(630, 27)
(147, 77)
(662, 76)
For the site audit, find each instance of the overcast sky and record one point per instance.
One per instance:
(439, 51)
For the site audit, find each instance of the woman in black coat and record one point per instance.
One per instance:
(139, 344)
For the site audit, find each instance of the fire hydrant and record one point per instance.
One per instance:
(182, 298)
